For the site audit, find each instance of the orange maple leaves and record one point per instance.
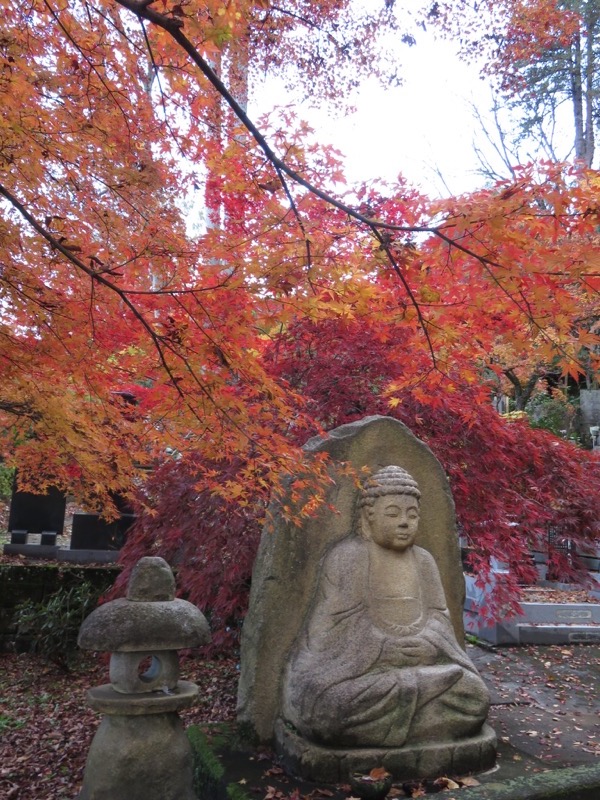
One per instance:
(107, 132)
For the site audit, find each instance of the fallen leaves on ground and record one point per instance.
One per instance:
(540, 594)
(546, 697)
(46, 727)
(378, 774)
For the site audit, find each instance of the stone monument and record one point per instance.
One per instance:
(140, 751)
(350, 658)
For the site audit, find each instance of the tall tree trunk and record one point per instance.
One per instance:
(523, 391)
(577, 98)
(238, 72)
(591, 22)
(221, 122)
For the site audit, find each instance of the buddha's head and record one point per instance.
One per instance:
(389, 508)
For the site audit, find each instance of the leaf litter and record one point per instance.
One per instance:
(46, 726)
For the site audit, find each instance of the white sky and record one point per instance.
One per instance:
(416, 129)
(421, 127)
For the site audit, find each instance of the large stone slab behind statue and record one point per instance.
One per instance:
(284, 584)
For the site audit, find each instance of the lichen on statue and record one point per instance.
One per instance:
(377, 663)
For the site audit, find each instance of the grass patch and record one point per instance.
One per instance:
(9, 724)
(209, 775)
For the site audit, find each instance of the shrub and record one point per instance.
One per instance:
(6, 482)
(210, 542)
(554, 413)
(53, 625)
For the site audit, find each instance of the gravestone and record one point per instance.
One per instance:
(91, 532)
(338, 668)
(36, 513)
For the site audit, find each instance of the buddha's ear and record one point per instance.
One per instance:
(364, 521)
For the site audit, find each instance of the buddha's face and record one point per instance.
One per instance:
(392, 521)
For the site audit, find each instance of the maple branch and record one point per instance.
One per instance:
(19, 409)
(385, 245)
(278, 169)
(142, 9)
(175, 292)
(107, 18)
(160, 88)
(173, 26)
(114, 188)
(160, 343)
(487, 265)
(89, 61)
(341, 49)
(299, 219)
(96, 276)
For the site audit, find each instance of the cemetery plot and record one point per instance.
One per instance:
(549, 616)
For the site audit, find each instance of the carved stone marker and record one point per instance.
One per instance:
(140, 751)
(350, 659)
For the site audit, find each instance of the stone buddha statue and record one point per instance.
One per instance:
(377, 663)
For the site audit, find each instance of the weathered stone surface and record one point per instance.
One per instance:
(376, 663)
(140, 751)
(571, 783)
(151, 579)
(139, 758)
(287, 566)
(130, 626)
(106, 700)
(335, 765)
(127, 673)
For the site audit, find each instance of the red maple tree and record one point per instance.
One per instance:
(123, 337)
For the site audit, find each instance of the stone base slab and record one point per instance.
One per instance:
(88, 556)
(322, 764)
(31, 550)
(57, 553)
(570, 783)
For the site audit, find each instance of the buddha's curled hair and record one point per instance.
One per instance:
(388, 480)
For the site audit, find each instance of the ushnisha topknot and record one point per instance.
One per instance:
(388, 480)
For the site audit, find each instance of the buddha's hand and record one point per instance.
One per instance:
(409, 652)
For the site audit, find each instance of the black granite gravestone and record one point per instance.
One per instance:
(36, 513)
(91, 532)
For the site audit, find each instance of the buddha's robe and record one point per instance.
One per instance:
(344, 685)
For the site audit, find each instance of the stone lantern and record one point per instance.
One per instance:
(140, 751)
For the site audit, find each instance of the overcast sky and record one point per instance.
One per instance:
(424, 127)
(418, 129)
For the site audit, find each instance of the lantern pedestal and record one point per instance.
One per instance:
(142, 757)
(140, 751)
